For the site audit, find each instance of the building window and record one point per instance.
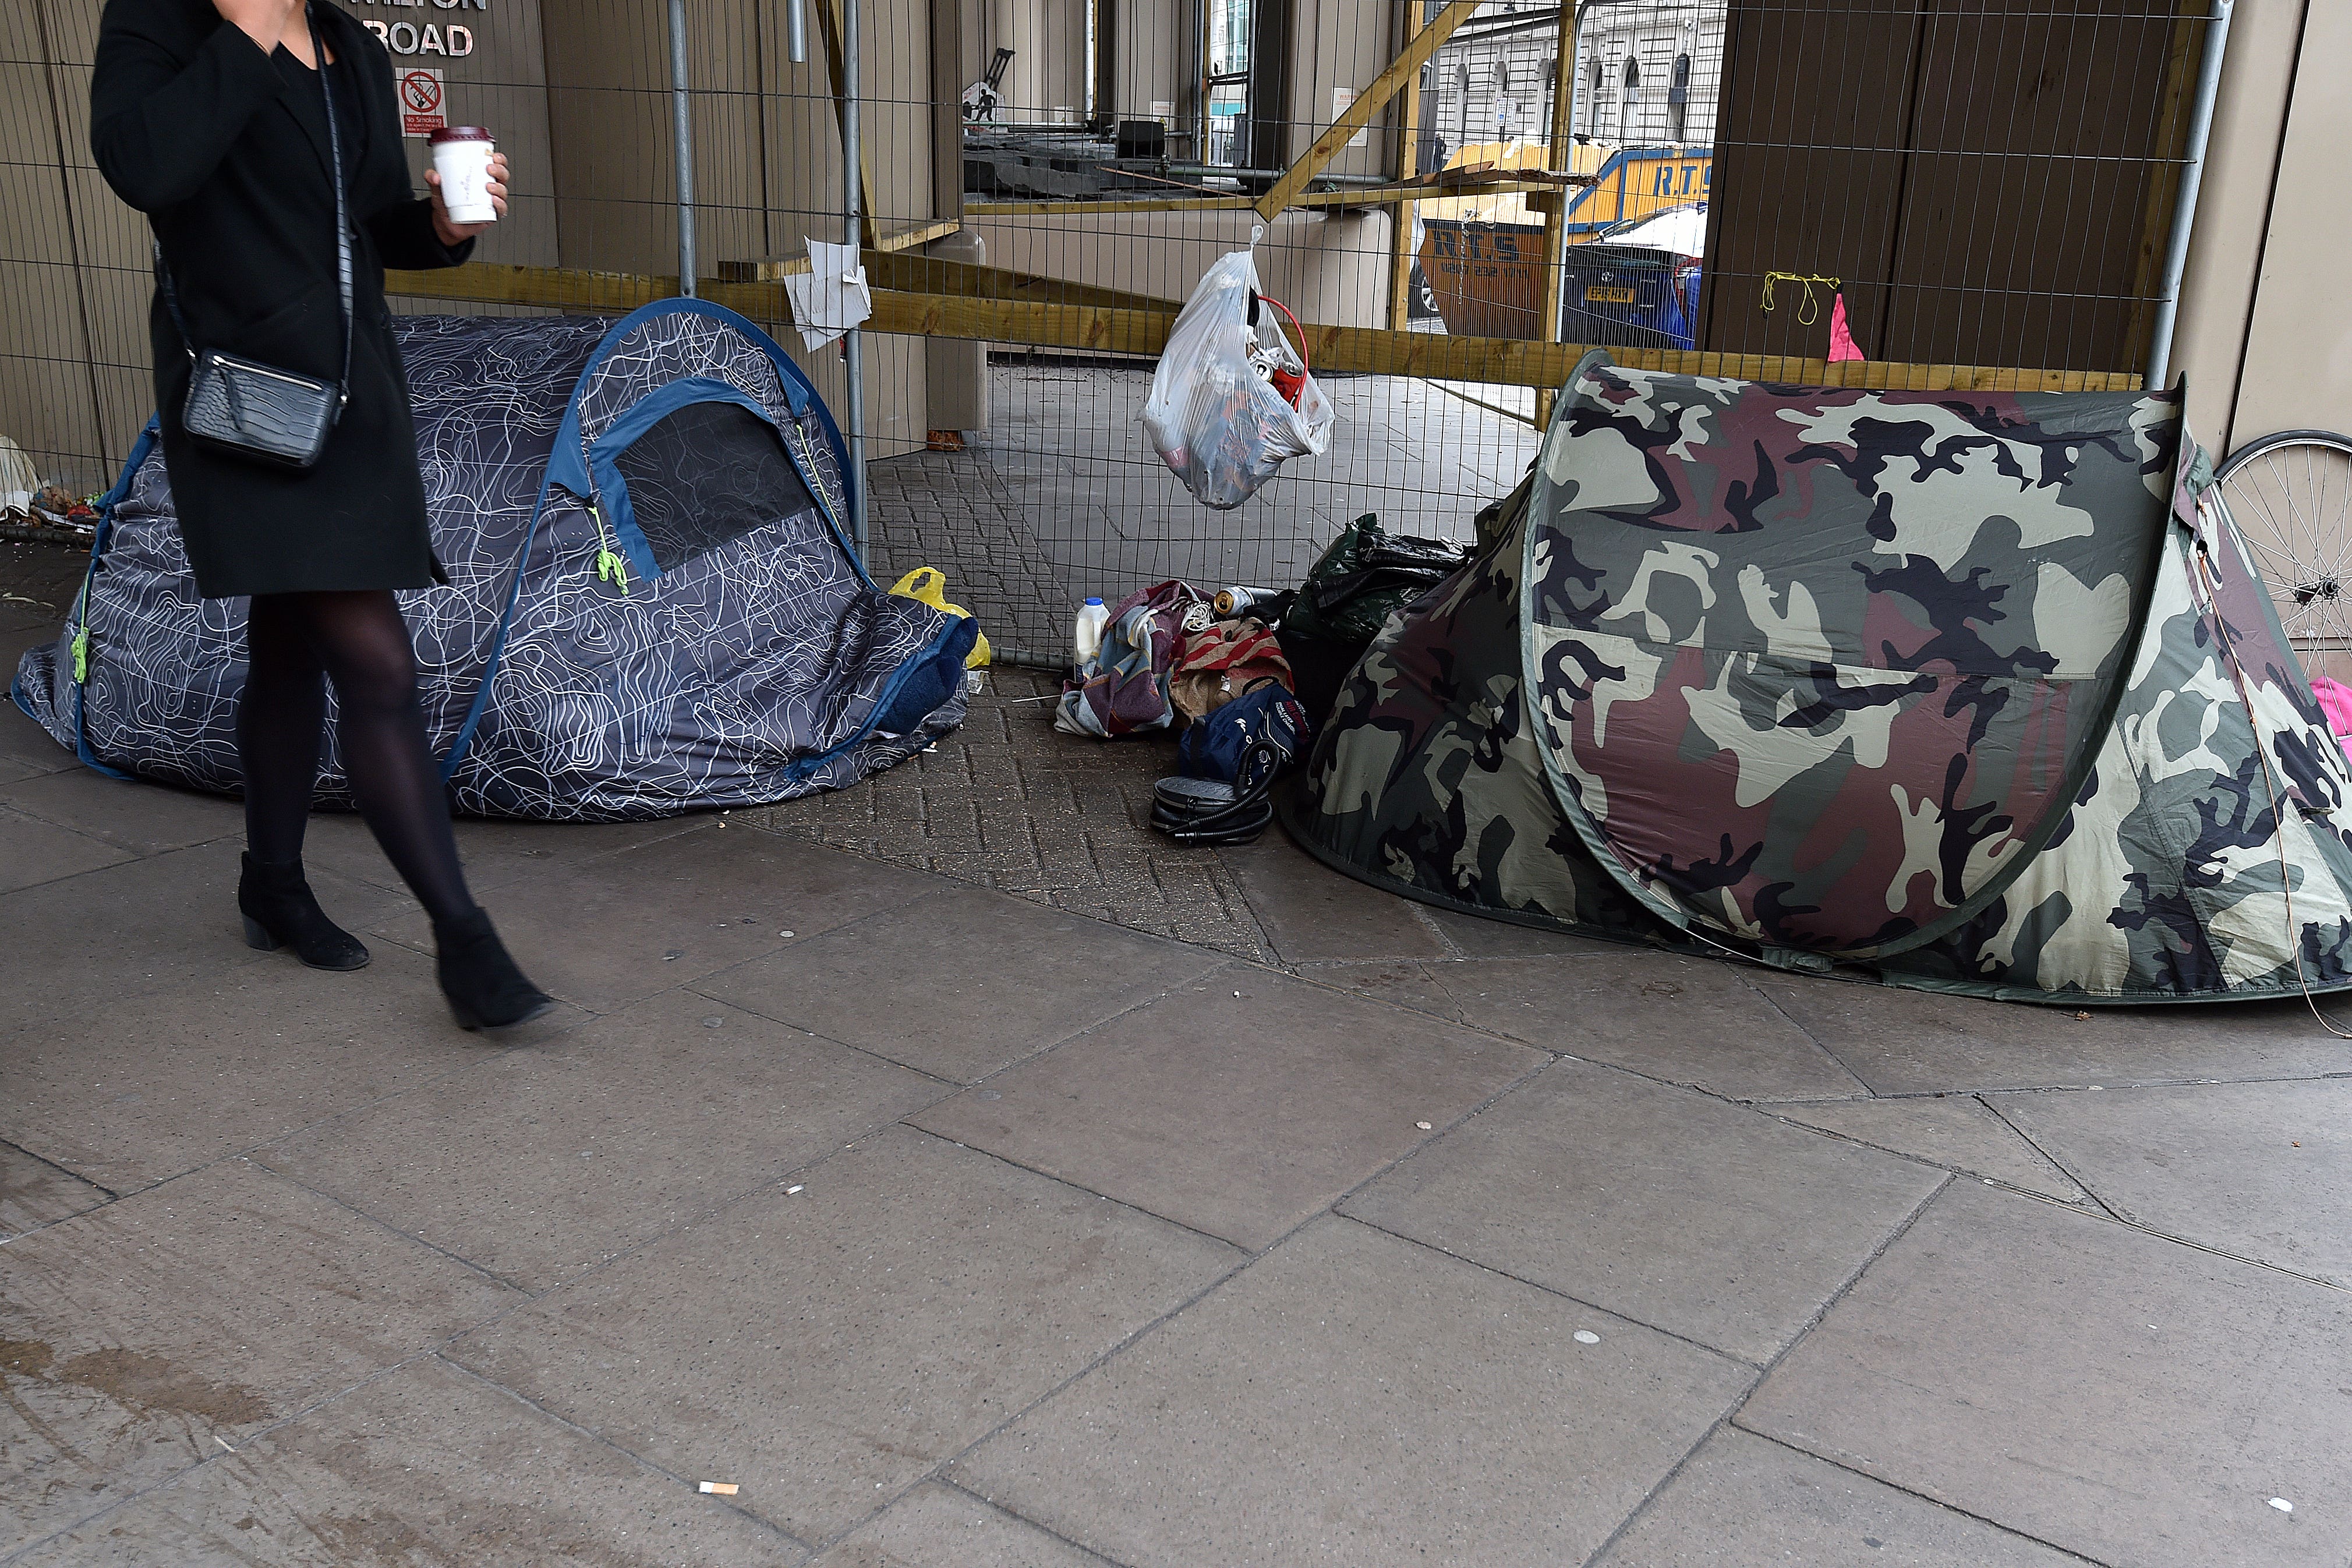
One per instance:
(1428, 147)
(1225, 85)
(1592, 100)
(1629, 113)
(1678, 98)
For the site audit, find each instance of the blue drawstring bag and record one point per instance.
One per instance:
(1231, 759)
(1215, 746)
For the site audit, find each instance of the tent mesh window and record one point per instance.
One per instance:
(706, 473)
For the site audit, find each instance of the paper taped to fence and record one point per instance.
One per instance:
(832, 297)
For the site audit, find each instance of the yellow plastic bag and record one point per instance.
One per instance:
(929, 585)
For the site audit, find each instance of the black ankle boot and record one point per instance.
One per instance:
(484, 987)
(280, 911)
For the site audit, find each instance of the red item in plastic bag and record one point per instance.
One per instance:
(1290, 382)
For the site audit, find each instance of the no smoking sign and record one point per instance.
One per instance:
(423, 101)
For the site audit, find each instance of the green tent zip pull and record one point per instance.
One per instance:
(82, 656)
(610, 567)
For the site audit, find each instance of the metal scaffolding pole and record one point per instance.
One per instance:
(682, 125)
(854, 346)
(2184, 206)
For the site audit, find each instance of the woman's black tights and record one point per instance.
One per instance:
(295, 643)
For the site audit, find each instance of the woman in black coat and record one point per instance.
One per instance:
(211, 117)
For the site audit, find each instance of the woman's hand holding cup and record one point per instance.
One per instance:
(471, 215)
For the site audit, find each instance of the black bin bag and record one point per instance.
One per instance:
(1366, 575)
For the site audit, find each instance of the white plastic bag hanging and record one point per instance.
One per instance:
(1216, 413)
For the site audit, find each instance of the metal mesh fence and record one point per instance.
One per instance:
(1138, 170)
(1962, 188)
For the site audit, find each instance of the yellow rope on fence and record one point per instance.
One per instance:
(1809, 310)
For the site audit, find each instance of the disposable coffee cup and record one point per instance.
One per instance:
(461, 155)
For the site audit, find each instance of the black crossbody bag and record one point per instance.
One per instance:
(245, 409)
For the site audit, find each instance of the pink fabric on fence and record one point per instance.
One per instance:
(1841, 343)
(2335, 702)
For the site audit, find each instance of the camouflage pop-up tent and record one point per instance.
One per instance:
(1963, 689)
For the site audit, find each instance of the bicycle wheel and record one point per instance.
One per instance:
(2290, 496)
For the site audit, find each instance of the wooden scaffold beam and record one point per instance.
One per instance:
(1015, 315)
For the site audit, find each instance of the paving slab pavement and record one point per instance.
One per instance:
(164, 1081)
(1093, 1263)
(958, 983)
(1353, 1398)
(33, 852)
(425, 1464)
(607, 932)
(828, 1348)
(35, 1192)
(1571, 1179)
(607, 1135)
(1960, 1132)
(1903, 1041)
(2114, 1393)
(2257, 1170)
(937, 1523)
(1742, 1498)
(1310, 915)
(1240, 1105)
(143, 822)
(1686, 1021)
(80, 944)
(156, 1333)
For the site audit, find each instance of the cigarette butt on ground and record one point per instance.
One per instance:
(724, 1489)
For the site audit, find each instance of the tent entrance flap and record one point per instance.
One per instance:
(691, 468)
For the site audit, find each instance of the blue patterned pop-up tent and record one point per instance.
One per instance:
(652, 605)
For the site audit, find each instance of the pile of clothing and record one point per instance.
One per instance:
(1167, 658)
(1232, 670)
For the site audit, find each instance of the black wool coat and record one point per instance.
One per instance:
(196, 126)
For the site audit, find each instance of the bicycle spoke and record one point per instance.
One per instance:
(2291, 503)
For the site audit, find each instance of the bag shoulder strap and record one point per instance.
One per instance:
(343, 217)
(342, 225)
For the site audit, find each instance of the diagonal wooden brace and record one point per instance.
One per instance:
(1375, 97)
